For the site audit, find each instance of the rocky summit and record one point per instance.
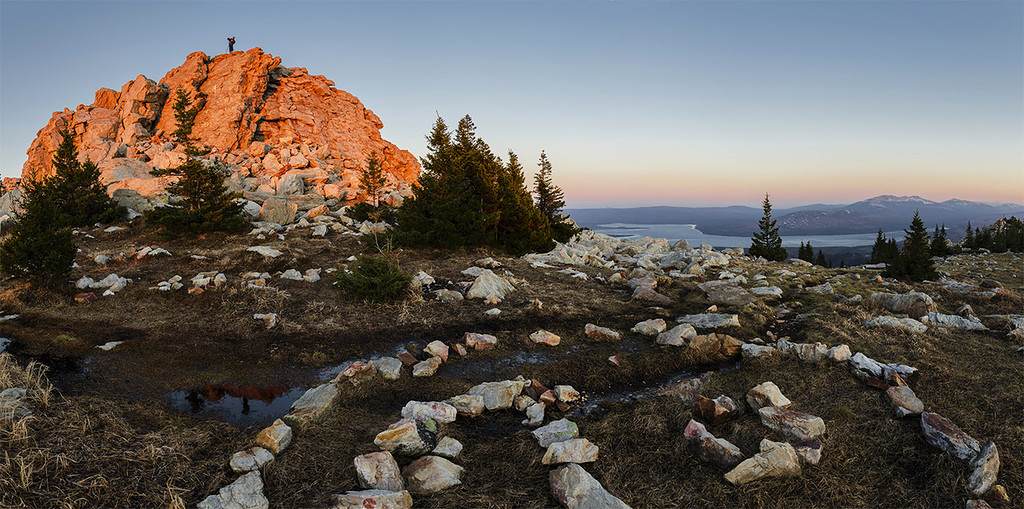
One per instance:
(280, 132)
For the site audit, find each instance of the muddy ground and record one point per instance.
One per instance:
(181, 351)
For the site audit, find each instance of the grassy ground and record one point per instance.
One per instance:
(106, 437)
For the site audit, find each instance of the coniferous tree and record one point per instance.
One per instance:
(939, 242)
(821, 259)
(551, 201)
(372, 180)
(40, 245)
(205, 204)
(80, 197)
(521, 224)
(766, 242)
(915, 260)
(968, 240)
(879, 249)
(806, 252)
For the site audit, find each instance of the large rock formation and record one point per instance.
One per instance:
(280, 131)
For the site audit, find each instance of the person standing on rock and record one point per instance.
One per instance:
(231, 44)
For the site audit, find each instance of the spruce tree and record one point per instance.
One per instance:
(80, 197)
(806, 252)
(821, 259)
(372, 180)
(521, 226)
(551, 201)
(205, 204)
(879, 249)
(766, 242)
(914, 262)
(40, 245)
(968, 241)
(939, 247)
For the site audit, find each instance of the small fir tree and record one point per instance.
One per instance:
(372, 180)
(40, 245)
(80, 197)
(551, 201)
(915, 260)
(940, 245)
(766, 242)
(521, 224)
(821, 260)
(968, 241)
(205, 204)
(806, 252)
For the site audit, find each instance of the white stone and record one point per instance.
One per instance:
(250, 459)
(245, 493)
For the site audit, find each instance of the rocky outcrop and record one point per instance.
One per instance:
(280, 131)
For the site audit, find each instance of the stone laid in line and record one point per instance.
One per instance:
(776, 459)
(469, 405)
(942, 433)
(427, 367)
(752, 351)
(498, 395)
(891, 322)
(378, 471)
(794, 425)
(575, 450)
(448, 447)
(716, 411)
(431, 474)
(710, 320)
(253, 458)
(575, 488)
(766, 394)
(956, 322)
(717, 451)
(390, 368)
(276, 437)
(438, 411)
(984, 470)
(311, 404)
(246, 492)
(679, 335)
(556, 431)
(904, 401)
(408, 437)
(600, 333)
(377, 499)
(879, 375)
(650, 327)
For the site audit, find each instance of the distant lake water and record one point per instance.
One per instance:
(674, 232)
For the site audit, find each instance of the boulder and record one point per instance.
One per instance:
(576, 450)
(679, 335)
(727, 292)
(479, 341)
(378, 471)
(546, 338)
(440, 412)
(556, 431)
(278, 210)
(375, 499)
(649, 327)
(276, 437)
(945, 435)
(715, 411)
(498, 395)
(914, 304)
(431, 474)
(408, 437)
(575, 488)
(904, 401)
(245, 493)
(717, 451)
(795, 425)
(470, 405)
(253, 458)
(984, 470)
(489, 285)
(776, 459)
(311, 404)
(600, 333)
(766, 394)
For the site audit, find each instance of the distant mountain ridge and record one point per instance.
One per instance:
(887, 212)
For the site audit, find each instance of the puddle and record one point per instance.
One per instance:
(243, 405)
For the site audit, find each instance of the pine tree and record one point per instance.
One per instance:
(766, 242)
(80, 197)
(821, 259)
(372, 180)
(915, 260)
(205, 204)
(40, 245)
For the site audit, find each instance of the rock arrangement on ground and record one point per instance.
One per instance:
(289, 140)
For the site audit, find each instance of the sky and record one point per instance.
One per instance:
(634, 103)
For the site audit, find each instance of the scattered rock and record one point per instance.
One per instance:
(679, 335)
(710, 320)
(408, 437)
(904, 401)
(650, 327)
(687, 390)
(269, 319)
(767, 291)
(766, 394)
(717, 451)
(825, 289)
(956, 322)
(575, 488)
(544, 337)
(479, 341)
(576, 450)
(427, 367)
(374, 499)
(488, 285)
(752, 351)
(907, 324)
(448, 296)
(650, 295)
(798, 426)
(600, 333)
(716, 411)
(379, 471)
(437, 349)
(914, 304)
(390, 368)
(253, 458)
(276, 437)
(312, 403)
(556, 431)
(245, 493)
(776, 459)
(265, 251)
(727, 292)
(448, 447)
(469, 405)
(431, 474)
(945, 435)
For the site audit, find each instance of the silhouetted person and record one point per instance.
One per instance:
(231, 44)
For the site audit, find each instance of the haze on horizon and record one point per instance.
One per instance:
(635, 103)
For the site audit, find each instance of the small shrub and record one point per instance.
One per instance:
(39, 246)
(374, 278)
(363, 211)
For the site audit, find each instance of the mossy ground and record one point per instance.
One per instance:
(108, 439)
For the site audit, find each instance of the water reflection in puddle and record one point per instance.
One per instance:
(242, 405)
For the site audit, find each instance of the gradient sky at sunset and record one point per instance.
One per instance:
(636, 103)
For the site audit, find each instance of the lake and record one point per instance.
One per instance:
(674, 232)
